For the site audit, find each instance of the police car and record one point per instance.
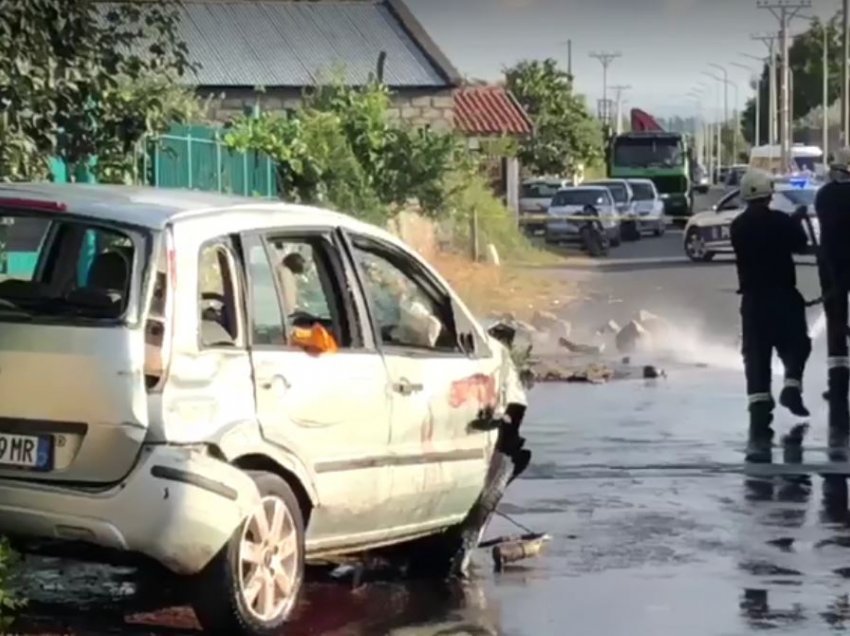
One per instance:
(707, 233)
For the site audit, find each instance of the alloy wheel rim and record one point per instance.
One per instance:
(696, 246)
(268, 560)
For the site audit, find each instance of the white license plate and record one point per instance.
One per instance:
(26, 451)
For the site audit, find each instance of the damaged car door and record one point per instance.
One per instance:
(440, 385)
(324, 401)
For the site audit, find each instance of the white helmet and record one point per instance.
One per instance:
(756, 184)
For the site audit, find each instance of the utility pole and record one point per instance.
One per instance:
(784, 11)
(605, 58)
(770, 41)
(755, 84)
(618, 101)
(845, 75)
(569, 45)
(825, 122)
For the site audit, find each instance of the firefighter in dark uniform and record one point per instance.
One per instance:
(773, 312)
(833, 209)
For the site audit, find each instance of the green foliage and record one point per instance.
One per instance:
(566, 135)
(806, 62)
(10, 601)
(79, 82)
(342, 150)
(496, 224)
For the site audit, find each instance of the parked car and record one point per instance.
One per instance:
(230, 387)
(534, 199)
(733, 176)
(569, 204)
(708, 233)
(649, 206)
(623, 204)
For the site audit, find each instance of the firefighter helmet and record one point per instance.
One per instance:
(756, 184)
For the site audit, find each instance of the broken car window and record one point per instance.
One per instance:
(407, 315)
(217, 297)
(310, 292)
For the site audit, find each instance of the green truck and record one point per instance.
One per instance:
(649, 152)
(660, 156)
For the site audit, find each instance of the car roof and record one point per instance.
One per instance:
(583, 187)
(646, 181)
(155, 208)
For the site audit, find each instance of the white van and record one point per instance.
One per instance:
(769, 158)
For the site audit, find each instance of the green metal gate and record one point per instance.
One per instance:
(197, 158)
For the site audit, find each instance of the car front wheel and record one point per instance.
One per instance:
(695, 247)
(251, 587)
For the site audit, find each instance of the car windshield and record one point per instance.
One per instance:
(807, 163)
(539, 190)
(618, 190)
(643, 192)
(64, 269)
(649, 152)
(578, 197)
(802, 196)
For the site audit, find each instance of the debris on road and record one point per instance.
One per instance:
(652, 373)
(632, 337)
(508, 550)
(610, 327)
(574, 347)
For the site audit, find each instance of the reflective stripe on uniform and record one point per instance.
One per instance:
(791, 383)
(755, 398)
(838, 362)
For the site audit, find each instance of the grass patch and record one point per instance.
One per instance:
(510, 288)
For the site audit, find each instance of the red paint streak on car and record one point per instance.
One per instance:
(479, 388)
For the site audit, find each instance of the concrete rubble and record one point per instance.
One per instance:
(550, 353)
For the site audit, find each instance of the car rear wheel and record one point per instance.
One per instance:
(251, 587)
(695, 247)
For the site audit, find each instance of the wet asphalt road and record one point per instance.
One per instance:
(656, 529)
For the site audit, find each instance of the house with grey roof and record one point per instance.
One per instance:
(270, 51)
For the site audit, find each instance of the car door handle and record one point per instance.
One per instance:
(277, 378)
(405, 387)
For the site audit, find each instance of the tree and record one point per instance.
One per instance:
(566, 135)
(79, 81)
(806, 63)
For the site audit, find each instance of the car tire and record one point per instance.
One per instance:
(221, 599)
(692, 249)
(660, 229)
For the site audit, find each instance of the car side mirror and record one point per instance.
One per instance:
(315, 340)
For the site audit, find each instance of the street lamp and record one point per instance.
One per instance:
(755, 83)
(723, 70)
(725, 121)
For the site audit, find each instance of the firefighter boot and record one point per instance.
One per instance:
(839, 409)
(760, 440)
(792, 398)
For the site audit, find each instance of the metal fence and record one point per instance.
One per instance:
(193, 157)
(197, 158)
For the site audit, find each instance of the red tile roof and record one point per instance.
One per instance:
(489, 110)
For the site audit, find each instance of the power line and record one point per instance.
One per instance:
(605, 58)
(784, 11)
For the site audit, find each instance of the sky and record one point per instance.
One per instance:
(667, 46)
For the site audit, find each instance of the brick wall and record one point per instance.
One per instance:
(418, 107)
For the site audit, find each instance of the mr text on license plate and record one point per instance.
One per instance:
(25, 451)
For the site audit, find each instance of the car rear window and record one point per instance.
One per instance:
(643, 191)
(539, 190)
(578, 197)
(618, 191)
(64, 269)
